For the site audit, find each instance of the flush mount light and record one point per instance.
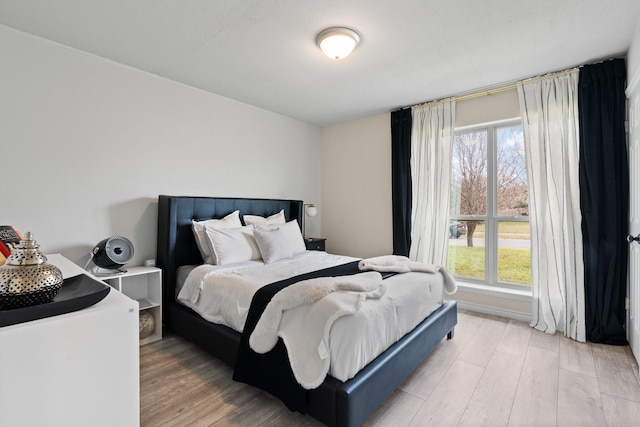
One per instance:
(337, 42)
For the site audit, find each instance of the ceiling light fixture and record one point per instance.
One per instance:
(337, 42)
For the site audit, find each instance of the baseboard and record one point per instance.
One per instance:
(516, 315)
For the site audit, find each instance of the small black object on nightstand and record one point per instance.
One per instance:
(314, 243)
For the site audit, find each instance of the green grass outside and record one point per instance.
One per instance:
(514, 265)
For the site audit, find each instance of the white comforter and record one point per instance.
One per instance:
(303, 314)
(222, 294)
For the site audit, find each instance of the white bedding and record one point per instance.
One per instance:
(222, 294)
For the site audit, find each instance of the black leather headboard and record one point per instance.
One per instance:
(176, 244)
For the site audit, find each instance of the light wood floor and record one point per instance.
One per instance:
(495, 372)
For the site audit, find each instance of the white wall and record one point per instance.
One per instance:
(356, 187)
(633, 59)
(87, 145)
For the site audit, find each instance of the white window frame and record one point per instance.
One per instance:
(491, 219)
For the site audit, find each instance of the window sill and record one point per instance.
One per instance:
(493, 300)
(476, 288)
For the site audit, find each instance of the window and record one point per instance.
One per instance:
(489, 234)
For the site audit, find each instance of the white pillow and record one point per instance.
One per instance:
(230, 221)
(292, 232)
(273, 245)
(229, 245)
(270, 220)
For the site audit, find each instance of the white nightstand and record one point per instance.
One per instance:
(74, 369)
(143, 284)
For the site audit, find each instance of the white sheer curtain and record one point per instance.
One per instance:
(549, 109)
(431, 142)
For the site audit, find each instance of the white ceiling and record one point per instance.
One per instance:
(263, 53)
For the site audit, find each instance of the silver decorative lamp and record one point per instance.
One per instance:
(27, 279)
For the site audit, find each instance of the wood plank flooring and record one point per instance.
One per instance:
(495, 372)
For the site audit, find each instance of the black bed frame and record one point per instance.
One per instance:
(334, 403)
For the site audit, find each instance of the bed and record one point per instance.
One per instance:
(334, 402)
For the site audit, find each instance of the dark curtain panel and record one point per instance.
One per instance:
(401, 180)
(604, 198)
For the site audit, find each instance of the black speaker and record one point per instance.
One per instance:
(111, 254)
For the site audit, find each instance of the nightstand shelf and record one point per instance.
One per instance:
(143, 284)
(315, 243)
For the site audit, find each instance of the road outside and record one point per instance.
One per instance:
(502, 243)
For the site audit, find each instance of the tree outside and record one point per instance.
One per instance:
(470, 185)
(513, 191)
(469, 176)
(469, 170)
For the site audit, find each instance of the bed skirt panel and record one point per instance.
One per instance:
(222, 341)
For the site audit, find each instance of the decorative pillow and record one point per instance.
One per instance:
(292, 232)
(230, 221)
(274, 219)
(273, 245)
(229, 245)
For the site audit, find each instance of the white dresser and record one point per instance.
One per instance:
(75, 369)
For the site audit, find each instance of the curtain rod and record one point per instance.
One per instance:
(489, 92)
